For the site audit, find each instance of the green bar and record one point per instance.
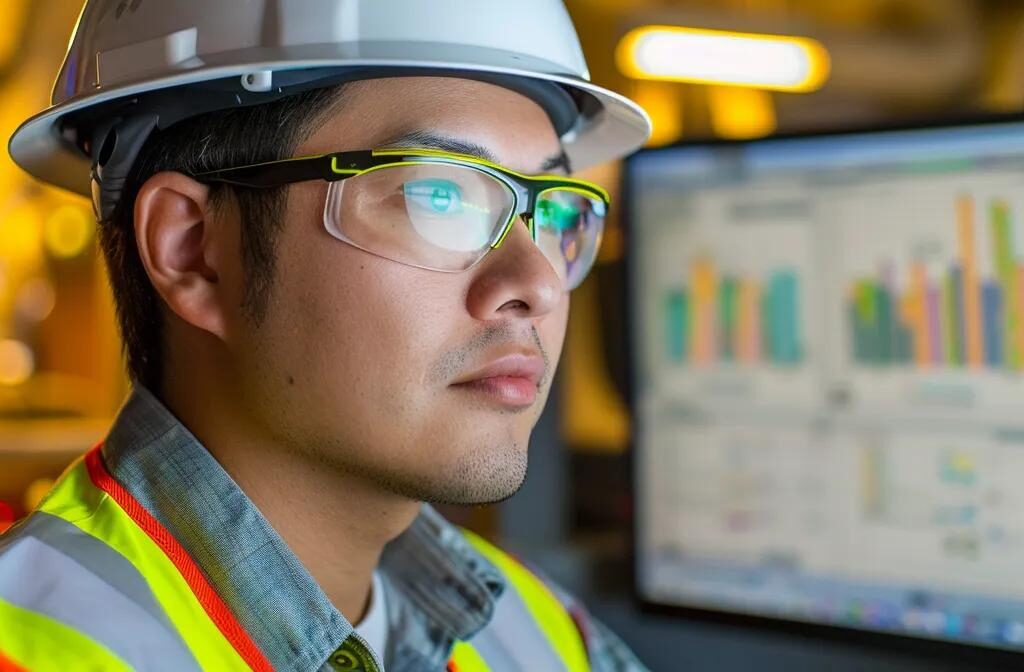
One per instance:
(858, 332)
(904, 347)
(676, 319)
(1002, 240)
(867, 319)
(865, 297)
(768, 346)
(778, 323)
(728, 293)
(887, 331)
(784, 286)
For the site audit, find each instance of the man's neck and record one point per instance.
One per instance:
(336, 523)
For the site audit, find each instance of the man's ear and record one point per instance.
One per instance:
(183, 250)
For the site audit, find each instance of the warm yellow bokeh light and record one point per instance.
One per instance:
(36, 299)
(20, 235)
(741, 114)
(68, 231)
(35, 492)
(663, 101)
(17, 363)
(15, 15)
(700, 56)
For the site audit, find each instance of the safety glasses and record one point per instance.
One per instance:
(442, 211)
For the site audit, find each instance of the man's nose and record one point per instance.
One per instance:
(515, 279)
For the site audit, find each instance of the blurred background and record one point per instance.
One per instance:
(826, 65)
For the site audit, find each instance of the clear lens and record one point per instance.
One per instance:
(432, 215)
(569, 225)
(446, 217)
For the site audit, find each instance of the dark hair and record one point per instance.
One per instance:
(208, 142)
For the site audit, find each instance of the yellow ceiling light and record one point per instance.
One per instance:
(695, 55)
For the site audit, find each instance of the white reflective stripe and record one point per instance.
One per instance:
(94, 556)
(38, 577)
(513, 641)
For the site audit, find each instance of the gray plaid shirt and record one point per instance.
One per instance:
(437, 587)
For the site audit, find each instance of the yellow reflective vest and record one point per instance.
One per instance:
(92, 581)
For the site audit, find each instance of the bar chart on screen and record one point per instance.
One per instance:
(736, 303)
(932, 294)
(831, 375)
(719, 318)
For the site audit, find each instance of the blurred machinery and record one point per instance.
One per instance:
(60, 372)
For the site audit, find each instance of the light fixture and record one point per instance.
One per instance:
(695, 55)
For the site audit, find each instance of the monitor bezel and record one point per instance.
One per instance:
(925, 648)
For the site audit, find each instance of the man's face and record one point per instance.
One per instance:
(388, 371)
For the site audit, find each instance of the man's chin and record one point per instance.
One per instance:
(475, 481)
(478, 500)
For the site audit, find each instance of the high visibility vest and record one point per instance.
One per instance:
(92, 581)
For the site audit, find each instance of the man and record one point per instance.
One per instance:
(341, 240)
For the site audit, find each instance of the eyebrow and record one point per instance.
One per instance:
(427, 140)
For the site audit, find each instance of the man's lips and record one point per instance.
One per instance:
(511, 380)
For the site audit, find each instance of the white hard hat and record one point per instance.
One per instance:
(136, 65)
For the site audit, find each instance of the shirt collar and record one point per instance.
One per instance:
(444, 585)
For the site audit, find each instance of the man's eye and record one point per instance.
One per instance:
(436, 196)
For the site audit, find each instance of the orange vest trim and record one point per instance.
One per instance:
(7, 665)
(211, 602)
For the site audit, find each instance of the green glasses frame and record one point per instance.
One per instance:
(527, 189)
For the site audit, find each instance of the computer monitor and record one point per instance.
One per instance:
(828, 355)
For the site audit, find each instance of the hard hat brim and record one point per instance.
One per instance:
(613, 128)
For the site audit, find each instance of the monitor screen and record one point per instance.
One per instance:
(829, 392)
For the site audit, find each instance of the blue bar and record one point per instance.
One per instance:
(992, 314)
(956, 275)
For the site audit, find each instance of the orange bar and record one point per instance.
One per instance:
(749, 331)
(973, 335)
(705, 289)
(919, 316)
(907, 310)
